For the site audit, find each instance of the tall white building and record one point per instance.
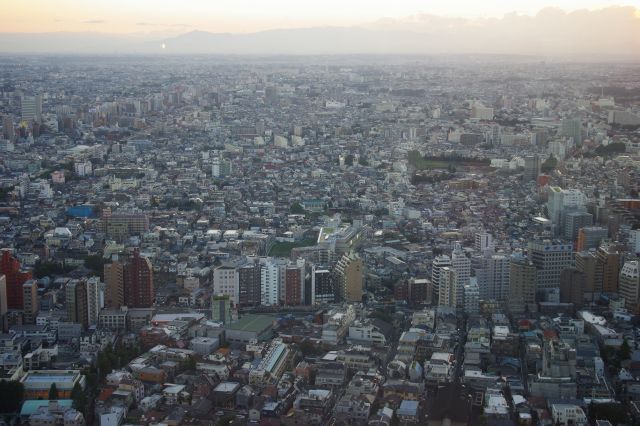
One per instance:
(629, 285)
(447, 290)
(438, 263)
(563, 201)
(492, 273)
(95, 299)
(462, 265)
(471, 297)
(483, 241)
(270, 283)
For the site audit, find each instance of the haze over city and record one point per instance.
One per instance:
(571, 29)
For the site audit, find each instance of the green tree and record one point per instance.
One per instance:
(53, 392)
(349, 160)
(11, 394)
(79, 398)
(549, 164)
(625, 350)
(296, 208)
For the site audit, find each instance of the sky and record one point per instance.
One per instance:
(242, 16)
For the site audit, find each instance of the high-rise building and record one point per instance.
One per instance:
(522, 285)
(630, 286)
(3, 300)
(574, 221)
(462, 265)
(561, 202)
(31, 108)
(492, 273)
(532, 166)
(572, 287)
(471, 297)
(8, 131)
(609, 256)
(270, 283)
(323, 286)
(587, 263)
(349, 276)
(294, 284)
(550, 259)
(483, 241)
(572, 128)
(94, 299)
(271, 95)
(114, 284)
(30, 300)
(138, 282)
(221, 308)
(76, 302)
(249, 284)
(225, 281)
(438, 263)
(15, 278)
(447, 290)
(590, 237)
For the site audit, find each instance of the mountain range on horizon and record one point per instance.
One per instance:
(609, 32)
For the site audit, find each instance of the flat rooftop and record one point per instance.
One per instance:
(252, 323)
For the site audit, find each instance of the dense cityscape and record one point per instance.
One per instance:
(219, 240)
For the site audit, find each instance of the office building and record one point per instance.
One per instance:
(574, 221)
(590, 237)
(630, 286)
(549, 258)
(610, 257)
(572, 287)
(587, 262)
(349, 277)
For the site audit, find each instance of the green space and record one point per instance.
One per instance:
(283, 249)
(420, 162)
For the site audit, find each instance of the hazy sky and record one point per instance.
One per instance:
(177, 16)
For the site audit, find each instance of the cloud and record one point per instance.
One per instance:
(94, 21)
